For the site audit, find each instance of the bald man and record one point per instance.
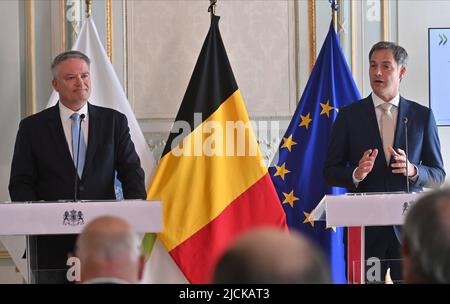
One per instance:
(272, 256)
(426, 240)
(109, 252)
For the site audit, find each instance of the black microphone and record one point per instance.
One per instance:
(405, 122)
(75, 192)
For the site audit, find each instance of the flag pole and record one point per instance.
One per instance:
(88, 8)
(212, 7)
(334, 9)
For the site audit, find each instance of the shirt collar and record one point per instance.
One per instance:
(66, 112)
(378, 101)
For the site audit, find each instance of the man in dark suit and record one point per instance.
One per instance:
(46, 150)
(366, 152)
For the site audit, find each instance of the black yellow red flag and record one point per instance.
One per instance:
(211, 178)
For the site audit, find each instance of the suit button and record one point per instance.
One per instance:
(81, 188)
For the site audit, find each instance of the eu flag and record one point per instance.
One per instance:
(297, 173)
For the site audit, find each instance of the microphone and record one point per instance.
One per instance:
(405, 122)
(75, 192)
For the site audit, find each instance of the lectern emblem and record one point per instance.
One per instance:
(73, 218)
(405, 208)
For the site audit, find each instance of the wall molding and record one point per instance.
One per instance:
(31, 64)
(312, 34)
(385, 19)
(4, 255)
(257, 54)
(109, 30)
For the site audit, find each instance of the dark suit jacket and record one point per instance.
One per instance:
(43, 169)
(356, 130)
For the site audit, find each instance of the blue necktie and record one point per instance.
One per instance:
(82, 149)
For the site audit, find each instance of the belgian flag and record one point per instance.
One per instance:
(211, 177)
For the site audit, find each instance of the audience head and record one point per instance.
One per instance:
(272, 256)
(426, 240)
(108, 248)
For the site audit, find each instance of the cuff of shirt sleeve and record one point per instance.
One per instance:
(415, 177)
(355, 180)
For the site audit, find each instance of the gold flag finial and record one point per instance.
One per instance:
(88, 8)
(334, 10)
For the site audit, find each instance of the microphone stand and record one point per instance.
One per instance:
(405, 122)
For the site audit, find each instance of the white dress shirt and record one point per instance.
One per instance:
(66, 121)
(377, 102)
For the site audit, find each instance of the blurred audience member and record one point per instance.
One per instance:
(272, 256)
(109, 252)
(426, 240)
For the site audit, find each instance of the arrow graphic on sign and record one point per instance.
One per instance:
(443, 40)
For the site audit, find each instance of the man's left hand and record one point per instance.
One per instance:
(400, 163)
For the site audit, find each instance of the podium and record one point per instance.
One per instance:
(357, 211)
(65, 218)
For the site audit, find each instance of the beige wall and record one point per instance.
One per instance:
(9, 87)
(10, 100)
(259, 38)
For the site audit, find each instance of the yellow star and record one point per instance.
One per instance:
(306, 120)
(281, 171)
(290, 198)
(307, 220)
(332, 227)
(288, 143)
(326, 108)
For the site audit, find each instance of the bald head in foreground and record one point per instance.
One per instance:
(272, 256)
(426, 240)
(109, 252)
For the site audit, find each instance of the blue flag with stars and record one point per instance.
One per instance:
(297, 173)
